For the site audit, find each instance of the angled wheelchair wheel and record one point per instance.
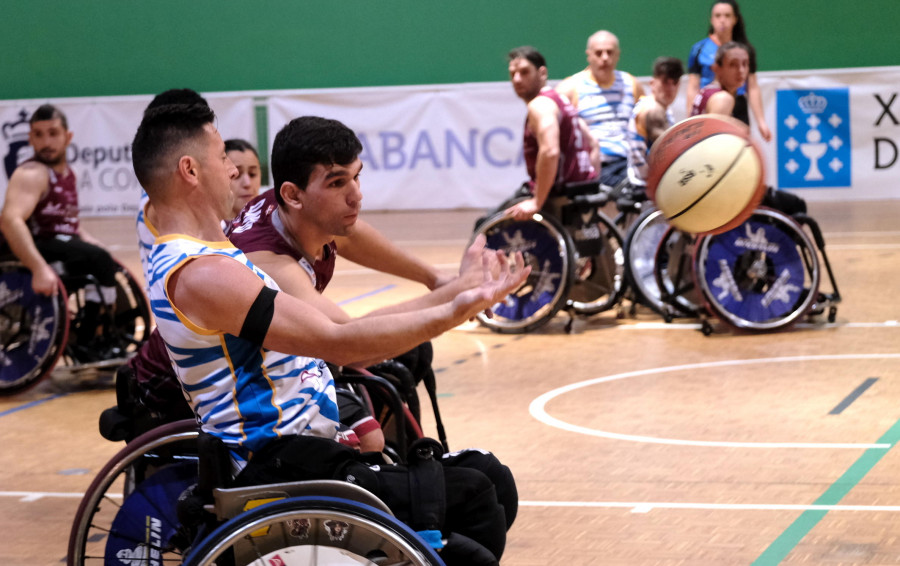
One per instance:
(124, 327)
(546, 247)
(641, 243)
(673, 271)
(599, 274)
(313, 531)
(33, 329)
(762, 275)
(128, 512)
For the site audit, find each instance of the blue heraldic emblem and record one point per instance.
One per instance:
(814, 138)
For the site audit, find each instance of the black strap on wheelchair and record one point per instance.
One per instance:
(431, 387)
(427, 494)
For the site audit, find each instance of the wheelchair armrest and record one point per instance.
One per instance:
(590, 187)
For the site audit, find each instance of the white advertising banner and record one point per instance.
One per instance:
(100, 152)
(449, 146)
(836, 136)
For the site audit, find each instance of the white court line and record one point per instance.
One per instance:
(538, 406)
(645, 507)
(697, 326)
(635, 506)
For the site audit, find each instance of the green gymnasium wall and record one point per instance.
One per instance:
(58, 48)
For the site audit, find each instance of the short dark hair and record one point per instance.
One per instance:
(726, 47)
(668, 67)
(237, 144)
(176, 96)
(49, 112)
(164, 130)
(527, 52)
(306, 142)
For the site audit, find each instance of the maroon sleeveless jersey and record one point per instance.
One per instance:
(57, 212)
(699, 106)
(574, 154)
(256, 229)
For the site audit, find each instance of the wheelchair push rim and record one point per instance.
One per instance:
(303, 530)
(599, 278)
(546, 247)
(762, 275)
(34, 329)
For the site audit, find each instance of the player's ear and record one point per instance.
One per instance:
(187, 169)
(291, 194)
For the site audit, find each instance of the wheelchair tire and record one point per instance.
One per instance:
(599, 280)
(762, 275)
(34, 329)
(641, 243)
(673, 270)
(301, 530)
(547, 248)
(104, 518)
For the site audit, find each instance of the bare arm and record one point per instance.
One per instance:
(368, 247)
(721, 102)
(26, 188)
(655, 122)
(592, 143)
(754, 98)
(566, 88)
(209, 291)
(693, 88)
(543, 119)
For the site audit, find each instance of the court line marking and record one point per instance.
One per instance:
(537, 408)
(802, 525)
(31, 404)
(635, 506)
(369, 294)
(697, 326)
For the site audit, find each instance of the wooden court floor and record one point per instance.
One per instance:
(633, 442)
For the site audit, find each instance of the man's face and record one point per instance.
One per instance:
(216, 171)
(734, 70)
(603, 54)
(332, 198)
(664, 89)
(527, 80)
(248, 181)
(49, 139)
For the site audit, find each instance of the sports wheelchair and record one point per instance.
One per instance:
(164, 498)
(575, 251)
(763, 275)
(36, 330)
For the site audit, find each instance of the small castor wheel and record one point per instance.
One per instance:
(706, 328)
(832, 314)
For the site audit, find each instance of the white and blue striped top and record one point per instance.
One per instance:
(606, 110)
(242, 393)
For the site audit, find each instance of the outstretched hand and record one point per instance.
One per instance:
(498, 279)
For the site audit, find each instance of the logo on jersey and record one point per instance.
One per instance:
(15, 148)
(813, 129)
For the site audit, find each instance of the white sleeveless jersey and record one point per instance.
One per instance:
(146, 233)
(242, 393)
(606, 110)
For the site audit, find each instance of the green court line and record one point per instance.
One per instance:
(791, 537)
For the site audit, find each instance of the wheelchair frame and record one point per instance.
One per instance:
(55, 339)
(763, 275)
(576, 254)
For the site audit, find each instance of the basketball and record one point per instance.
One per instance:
(705, 174)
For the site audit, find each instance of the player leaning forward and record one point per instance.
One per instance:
(250, 357)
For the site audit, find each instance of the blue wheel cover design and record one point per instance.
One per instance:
(729, 275)
(20, 305)
(540, 250)
(147, 518)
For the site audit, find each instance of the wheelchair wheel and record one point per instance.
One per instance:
(674, 274)
(124, 328)
(129, 509)
(762, 275)
(546, 247)
(641, 243)
(599, 280)
(33, 329)
(310, 531)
